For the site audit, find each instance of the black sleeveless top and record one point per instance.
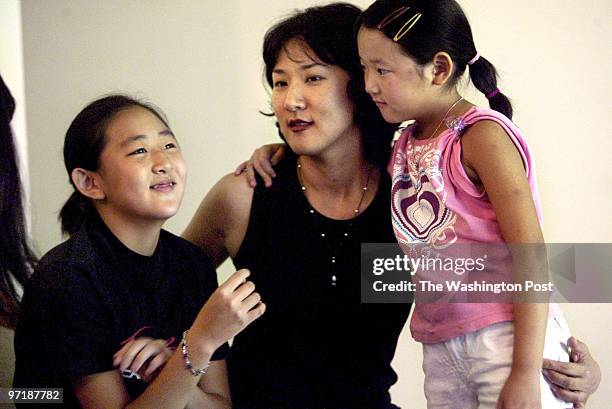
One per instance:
(316, 346)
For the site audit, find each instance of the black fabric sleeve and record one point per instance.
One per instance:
(76, 329)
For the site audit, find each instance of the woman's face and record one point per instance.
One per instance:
(142, 172)
(310, 101)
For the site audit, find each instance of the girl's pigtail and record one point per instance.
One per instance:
(74, 213)
(484, 78)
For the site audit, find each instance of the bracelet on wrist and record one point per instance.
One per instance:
(186, 358)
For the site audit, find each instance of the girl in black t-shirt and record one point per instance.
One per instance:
(120, 276)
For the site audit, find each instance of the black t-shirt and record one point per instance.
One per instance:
(91, 292)
(317, 346)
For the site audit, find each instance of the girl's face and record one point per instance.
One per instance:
(142, 172)
(397, 84)
(310, 101)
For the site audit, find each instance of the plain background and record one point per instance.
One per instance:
(200, 61)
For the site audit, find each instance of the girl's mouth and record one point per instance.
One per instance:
(166, 186)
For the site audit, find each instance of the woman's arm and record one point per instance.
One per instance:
(488, 152)
(221, 221)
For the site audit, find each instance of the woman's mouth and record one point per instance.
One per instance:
(299, 125)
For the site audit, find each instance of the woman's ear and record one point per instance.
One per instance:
(87, 183)
(443, 68)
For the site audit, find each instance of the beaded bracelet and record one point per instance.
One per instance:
(188, 365)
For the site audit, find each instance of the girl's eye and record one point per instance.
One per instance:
(138, 151)
(314, 78)
(170, 145)
(279, 84)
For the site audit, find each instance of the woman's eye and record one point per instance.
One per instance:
(279, 84)
(170, 145)
(382, 71)
(139, 151)
(314, 78)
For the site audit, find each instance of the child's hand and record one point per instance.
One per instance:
(232, 307)
(261, 162)
(143, 356)
(521, 391)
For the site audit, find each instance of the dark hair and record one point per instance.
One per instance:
(84, 142)
(442, 26)
(17, 260)
(328, 31)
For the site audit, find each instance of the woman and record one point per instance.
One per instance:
(317, 346)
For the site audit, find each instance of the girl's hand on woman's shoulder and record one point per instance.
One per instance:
(262, 161)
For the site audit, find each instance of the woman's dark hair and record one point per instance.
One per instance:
(84, 142)
(17, 260)
(328, 32)
(442, 26)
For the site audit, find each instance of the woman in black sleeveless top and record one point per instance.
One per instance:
(317, 346)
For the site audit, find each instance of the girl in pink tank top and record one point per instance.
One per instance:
(461, 175)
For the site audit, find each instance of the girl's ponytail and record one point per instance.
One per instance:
(484, 77)
(75, 211)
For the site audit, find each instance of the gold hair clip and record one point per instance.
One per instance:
(403, 30)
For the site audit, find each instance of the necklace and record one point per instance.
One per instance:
(417, 159)
(334, 250)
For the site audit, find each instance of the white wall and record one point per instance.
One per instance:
(200, 61)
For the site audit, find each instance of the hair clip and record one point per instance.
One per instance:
(403, 30)
(412, 20)
(385, 21)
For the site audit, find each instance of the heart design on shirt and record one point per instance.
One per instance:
(421, 213)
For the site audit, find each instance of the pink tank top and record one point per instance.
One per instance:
(433, 201)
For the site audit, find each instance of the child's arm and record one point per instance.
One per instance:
(230, 309)
(492, 159)
(145, 356)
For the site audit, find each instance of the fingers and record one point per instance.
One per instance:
(579, 350)
(571, 383)
(250, 172)
(251, 301)
(126, 360)
(241, 168)
(157, 362)
(264, 169)
(234, 281)
(577, 398)
(565, 368)
(256, 312)
(154, 348)
(245, 290)
(278, 155)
